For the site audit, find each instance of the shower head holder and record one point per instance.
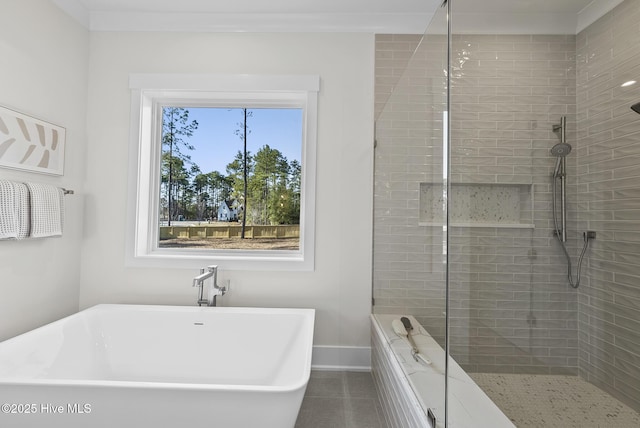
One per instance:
(562, 129)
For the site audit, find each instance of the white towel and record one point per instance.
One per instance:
(8, 211)
(47, 210)
(23, 213)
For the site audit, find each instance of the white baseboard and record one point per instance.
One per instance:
(341, 358)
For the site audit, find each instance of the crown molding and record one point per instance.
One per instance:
(379, 23)
(261, 22)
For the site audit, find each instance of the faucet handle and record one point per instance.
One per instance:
(214, 291)
(227, 286)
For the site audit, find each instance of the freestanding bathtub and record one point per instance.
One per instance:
(159, 366)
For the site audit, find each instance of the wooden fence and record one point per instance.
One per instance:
(230, 231)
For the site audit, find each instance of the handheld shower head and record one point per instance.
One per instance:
(561, 150)
(556, 170)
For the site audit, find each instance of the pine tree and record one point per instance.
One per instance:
(175, 128)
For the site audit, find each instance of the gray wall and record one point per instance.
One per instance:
(608, 54)
(408, 264)
(512, 309)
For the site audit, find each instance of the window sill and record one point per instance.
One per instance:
(242, 260)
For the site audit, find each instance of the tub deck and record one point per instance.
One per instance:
(424, 385)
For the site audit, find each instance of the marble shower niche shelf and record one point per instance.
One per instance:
(507, 205)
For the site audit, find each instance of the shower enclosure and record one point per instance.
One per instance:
(507, 201)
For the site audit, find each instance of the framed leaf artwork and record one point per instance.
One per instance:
(30, 144)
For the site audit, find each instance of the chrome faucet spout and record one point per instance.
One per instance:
(206, 274)
(198, 281)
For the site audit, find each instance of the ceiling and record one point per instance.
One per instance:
(377, 16)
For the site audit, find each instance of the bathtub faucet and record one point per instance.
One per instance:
(214, 290)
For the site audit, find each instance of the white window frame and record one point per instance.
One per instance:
(149, 92)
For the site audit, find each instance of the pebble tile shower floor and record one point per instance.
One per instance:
(341, 400)
(555, 401)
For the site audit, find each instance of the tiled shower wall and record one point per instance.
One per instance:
(608, 54)
(511, 304)
(512, 309)
(393, 53)
(408, 261)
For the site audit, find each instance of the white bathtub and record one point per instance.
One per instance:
(159, 366)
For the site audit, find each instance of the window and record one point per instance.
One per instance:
(171, 197)
(230, 177)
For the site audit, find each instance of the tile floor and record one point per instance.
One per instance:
(554, 401)
(341, 400)
(349, 400)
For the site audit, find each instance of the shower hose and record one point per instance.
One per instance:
(558, 232)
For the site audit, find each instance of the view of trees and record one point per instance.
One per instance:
(265, 186)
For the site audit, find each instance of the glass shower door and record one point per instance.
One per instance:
(410, 207)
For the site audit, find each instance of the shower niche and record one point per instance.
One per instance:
(507, 205)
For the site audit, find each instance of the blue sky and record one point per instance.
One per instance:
(216, 143)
